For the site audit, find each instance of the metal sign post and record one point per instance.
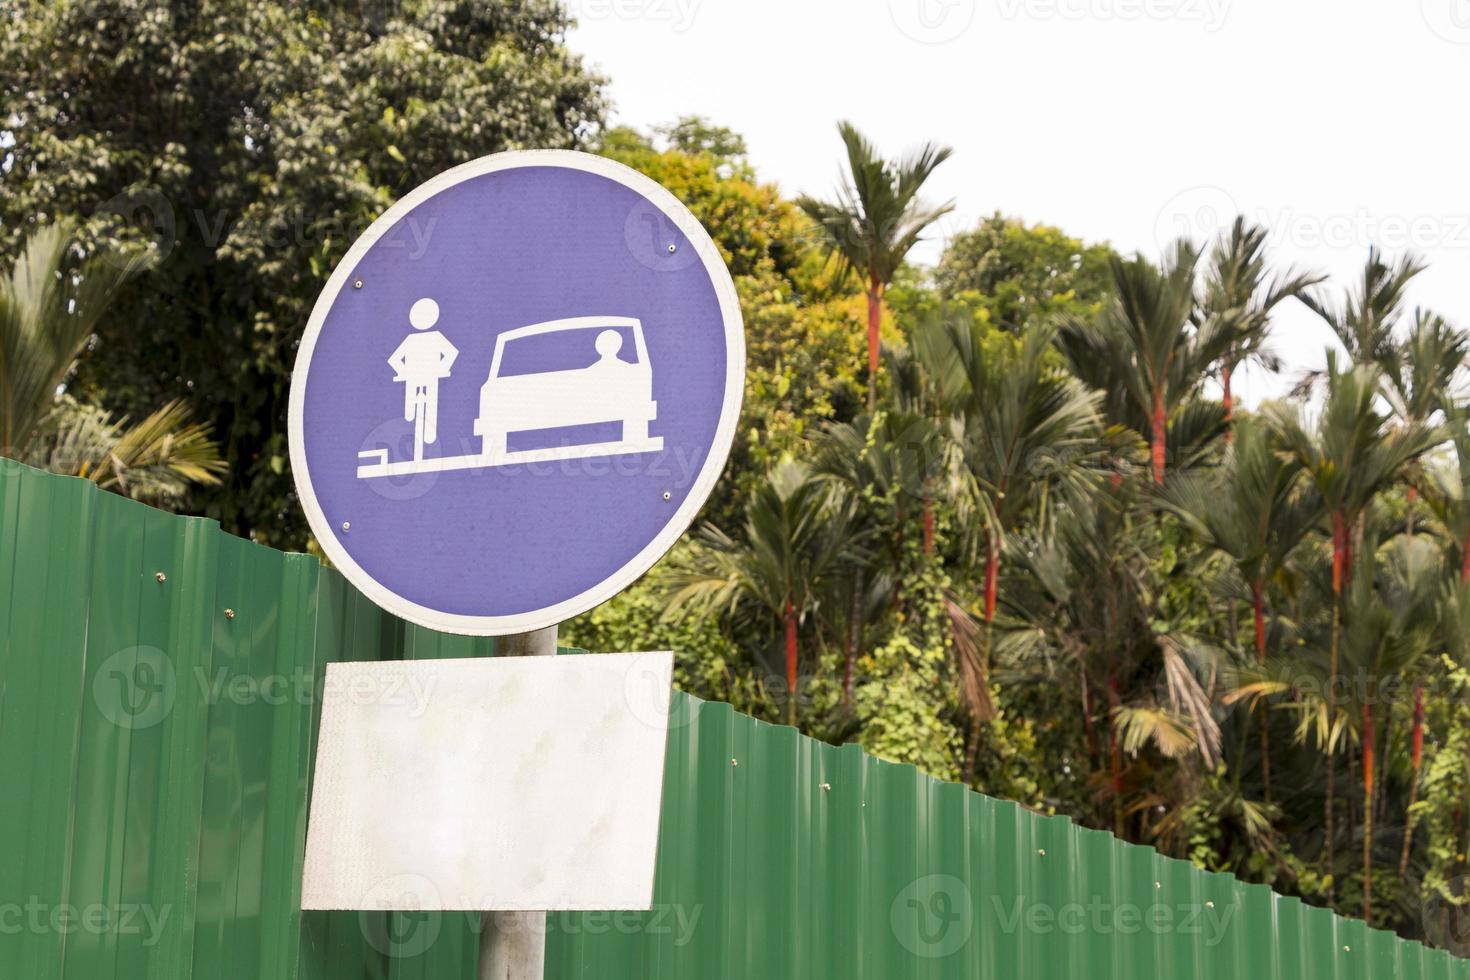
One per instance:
(513, 944)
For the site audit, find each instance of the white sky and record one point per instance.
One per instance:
(1130, 121)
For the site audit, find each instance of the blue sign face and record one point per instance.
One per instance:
(516, 391)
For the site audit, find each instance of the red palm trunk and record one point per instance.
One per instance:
(1115, 758)
(1416, 752)
(790, 619)
(1339, 552)
(1258, 608)
(1465, 559)
(1159, 435)
(992, 573)
(1416, 758)
(875, 316)
(928, 527)
(1226, 400)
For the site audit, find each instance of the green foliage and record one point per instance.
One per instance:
(1017, 274)
(986, 573)
(250, 142)
(49, 305)
(1440, 811)
(901, 719)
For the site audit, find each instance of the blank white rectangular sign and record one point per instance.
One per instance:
(514, 783)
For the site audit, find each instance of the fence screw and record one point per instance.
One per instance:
(229, 614)
(160, 577)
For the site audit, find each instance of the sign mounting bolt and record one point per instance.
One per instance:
(672, 248)
(668, 496)
(357, 284)
(346, 526)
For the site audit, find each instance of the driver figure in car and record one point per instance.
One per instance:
(420, 362)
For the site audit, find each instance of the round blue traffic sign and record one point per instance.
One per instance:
(516, 391)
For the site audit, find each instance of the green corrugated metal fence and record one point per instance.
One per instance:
(157, 688)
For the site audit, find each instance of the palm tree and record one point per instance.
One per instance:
(1239, 297)
(48, 309)
(875, 220)
(798, 535)
(1089, 608)
(1446, 485)
(155, 461)
(1351, 454)
(1423, 374)
(890, 455)
(1389, 617)
(1255, 511)
(1024, 427)
(1145, 339)
(1365, 319)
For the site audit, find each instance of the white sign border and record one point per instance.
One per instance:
(678, 523)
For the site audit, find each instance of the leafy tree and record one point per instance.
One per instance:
(875, 220)
(251, 140)
(697, 136)
(1019, 272)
